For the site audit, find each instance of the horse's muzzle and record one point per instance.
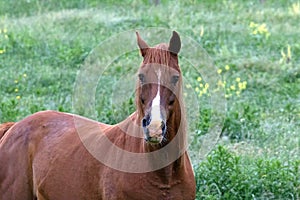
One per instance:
(154, 130)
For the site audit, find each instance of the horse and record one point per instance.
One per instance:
(48, 156)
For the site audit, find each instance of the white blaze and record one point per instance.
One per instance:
(155, 108)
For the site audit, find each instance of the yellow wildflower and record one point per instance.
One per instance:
(286, 57)
(206, 85)
(238, 79)
(252, 25)
(295, 8)
(232, 87)
(16, 90)
(16, 81)
(202, 31)
(18, 97)
(219, 71)
(199, 79)
(200, 94)
(201, 85)
(2, 51)
(228, 95)
(227, 67)
(221, 84)
(188, 86)
(24, 75)
(197, 89)
(289, 54)
(242, 85)
(260, 29)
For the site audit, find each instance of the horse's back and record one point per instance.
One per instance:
(42, 153)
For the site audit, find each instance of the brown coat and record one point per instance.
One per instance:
(43, 156)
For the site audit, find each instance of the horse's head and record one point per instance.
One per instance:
(159, 90)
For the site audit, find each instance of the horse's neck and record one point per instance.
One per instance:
(172, 173)
(168, 176)
(132, 126)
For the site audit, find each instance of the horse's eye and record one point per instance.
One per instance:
(174, 79)
(142, 100)
(142, 78)
(171, 102)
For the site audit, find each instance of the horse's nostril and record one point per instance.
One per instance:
(144, 122)
(163, 126)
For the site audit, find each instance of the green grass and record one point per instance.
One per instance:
(225, 176)
(259, 157)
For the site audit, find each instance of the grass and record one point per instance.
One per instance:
(44, 45)
(225, 176)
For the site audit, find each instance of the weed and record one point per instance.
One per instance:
(224, 176)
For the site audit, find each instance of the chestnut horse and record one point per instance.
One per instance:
(47, 155)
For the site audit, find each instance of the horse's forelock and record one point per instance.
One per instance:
(161, 55)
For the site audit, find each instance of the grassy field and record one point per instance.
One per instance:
(254, 47)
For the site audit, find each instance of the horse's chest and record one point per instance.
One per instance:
(157, 193)
(138, 187)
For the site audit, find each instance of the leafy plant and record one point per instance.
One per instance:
(224, 175)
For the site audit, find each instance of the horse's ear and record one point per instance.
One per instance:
(175, 43)
(142, 44)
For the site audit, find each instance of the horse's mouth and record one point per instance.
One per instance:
(154, 140)
(154, 132)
